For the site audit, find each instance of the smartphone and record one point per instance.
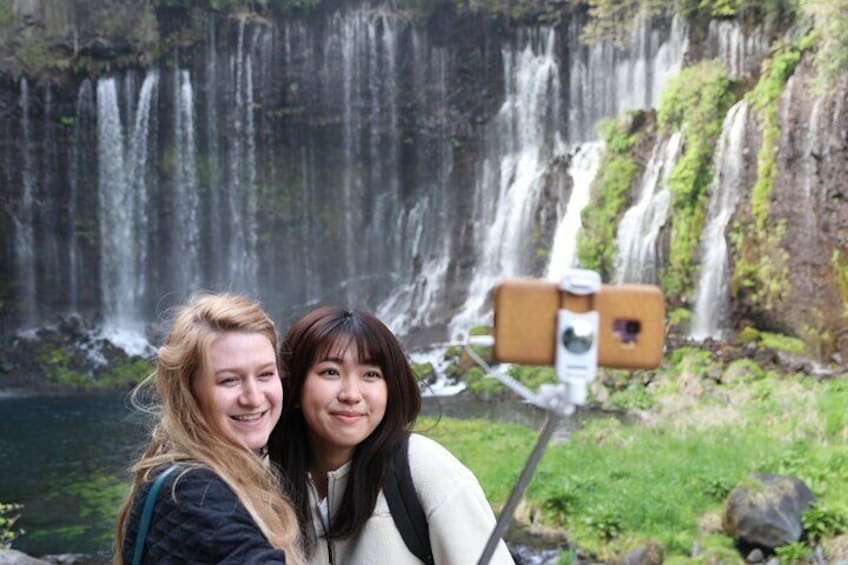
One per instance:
(632, 322)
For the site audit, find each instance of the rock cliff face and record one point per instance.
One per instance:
(352, 154)
(811, 195)
(51, 36)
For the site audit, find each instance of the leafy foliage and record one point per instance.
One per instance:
(820, 522)
(694, 102)
(8, 531)
(612, 20)
(830, 35)
(792, 553)
(596, 241)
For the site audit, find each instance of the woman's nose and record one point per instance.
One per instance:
(350, 390)
(249, 392)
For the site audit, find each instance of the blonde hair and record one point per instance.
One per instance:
(184, 434)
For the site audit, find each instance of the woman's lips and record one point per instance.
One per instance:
(248, 419)
(346, 416)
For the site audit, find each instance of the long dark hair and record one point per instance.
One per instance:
(325, 332)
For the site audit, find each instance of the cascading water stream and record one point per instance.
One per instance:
(740, 53)
(420, 277)
(582, 169)
(351, 32)
(712, 303)
(520, 148)
(23, 219)
(636, 239)
(606, 79)
(139, 175)
(185, 192)
(216, 236)
(121, 199)
(115, 200)
(242, 269)
(85, 118)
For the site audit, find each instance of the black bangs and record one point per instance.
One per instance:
(348, 331)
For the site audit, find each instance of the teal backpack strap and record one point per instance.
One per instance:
(147, 512)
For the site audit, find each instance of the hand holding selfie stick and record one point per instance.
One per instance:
(527, 312)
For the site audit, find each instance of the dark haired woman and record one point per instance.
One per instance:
(351, 400)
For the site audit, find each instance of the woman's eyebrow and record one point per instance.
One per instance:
(329, 360)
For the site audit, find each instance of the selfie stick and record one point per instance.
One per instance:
(576, 363)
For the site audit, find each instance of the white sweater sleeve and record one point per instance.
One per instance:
(459, 516)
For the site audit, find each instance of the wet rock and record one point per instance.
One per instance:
(756, 556)
(76, 559)
(650, 554)
(765, 512)
(15, 557)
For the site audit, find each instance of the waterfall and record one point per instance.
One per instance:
(243, 259)
(636, 238)
(712, 303)
(314, 159)
(606, 80)
(118, 274)
(50, 218)
(520, 146)
(186, 198)
(351, 58)
(582, 169)
(122, 199)
(216, 235)
(384, 148)
(23, 220)
(739, 52)
(85, 120)
(419, 279)
(139, 175)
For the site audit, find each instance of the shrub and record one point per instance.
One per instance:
(820, 522)
(8, 532)
(596, 247)
(694, 102)
(793, 553)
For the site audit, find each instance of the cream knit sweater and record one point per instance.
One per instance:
(458, 514)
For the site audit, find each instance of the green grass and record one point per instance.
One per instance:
(614, 485)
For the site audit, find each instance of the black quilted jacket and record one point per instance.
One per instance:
(206, 523)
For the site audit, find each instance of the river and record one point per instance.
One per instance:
(66, 459)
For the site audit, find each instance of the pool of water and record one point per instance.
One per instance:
(66, 459)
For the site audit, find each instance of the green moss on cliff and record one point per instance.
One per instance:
(840, 270)
(7, 14)
(830, 37)
(761, 268)
(695, 102)
(612, 20)
(596, 246)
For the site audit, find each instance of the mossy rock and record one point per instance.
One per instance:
(742, 370)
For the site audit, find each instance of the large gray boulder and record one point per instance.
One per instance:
(765, 511)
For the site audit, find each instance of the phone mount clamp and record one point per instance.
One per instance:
(576, 364)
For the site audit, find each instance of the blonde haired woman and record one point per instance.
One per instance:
(219, 387)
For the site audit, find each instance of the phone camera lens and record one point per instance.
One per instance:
(578, 336)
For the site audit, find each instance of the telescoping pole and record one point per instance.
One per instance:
(576, 365)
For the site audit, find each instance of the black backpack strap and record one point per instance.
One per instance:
(404, 505)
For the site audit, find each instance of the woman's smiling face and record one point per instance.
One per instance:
(241, 394)
(343, 401)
